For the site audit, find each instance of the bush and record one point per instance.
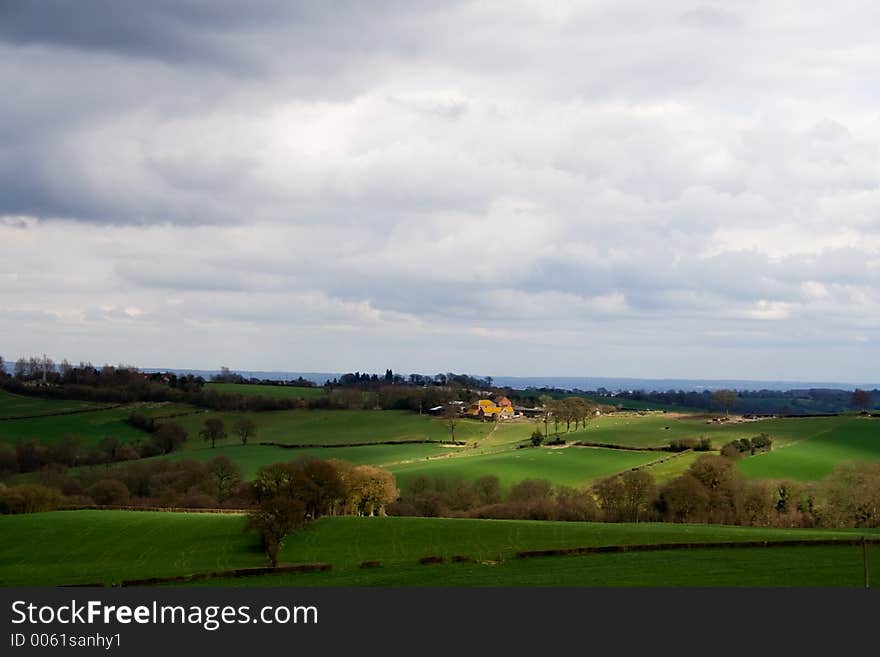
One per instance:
(28, 498)
(141, 421)
(168, 437)
(682, 445)
(762, 443)
(108, 491)
(8, 460)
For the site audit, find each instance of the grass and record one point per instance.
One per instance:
(322, 427)
(91, 427)
(835, 566)
(849, 439)
(255, 389)
(656, 430)
(252, 457)
(642, 405)
(67, 547)
(674, 467)
(571, 466)
(12, 405)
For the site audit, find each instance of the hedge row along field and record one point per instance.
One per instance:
(754, 567)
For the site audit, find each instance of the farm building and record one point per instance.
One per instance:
(488, 409)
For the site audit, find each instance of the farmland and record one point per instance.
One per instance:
(107, 546)
(12, 405)
(91, 426)
(658, 429)
(845, 440)
(252, 457)
(571, 466)
(277, 392)
(805, 449)
(766, 567)
(321, 427)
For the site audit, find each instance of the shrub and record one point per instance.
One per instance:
(28, 498)
(108, 491)
(704, 445)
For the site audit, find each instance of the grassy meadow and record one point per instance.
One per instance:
(257, 390)
(333, 427)
(658, 429)
(12, 405)
(70, 547)
(847, 439)
(252, 457)
(569, 466)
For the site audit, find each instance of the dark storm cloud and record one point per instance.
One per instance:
(237, 36)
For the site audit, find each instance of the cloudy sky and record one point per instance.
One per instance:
(649, 189)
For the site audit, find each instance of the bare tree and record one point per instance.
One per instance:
(639, 491)
(451, 417)
(213, 430)
(244, 428)
(725, 399)
(546, 401)
(226, 475)
(169, 436)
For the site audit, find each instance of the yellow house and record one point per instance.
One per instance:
(487, 409)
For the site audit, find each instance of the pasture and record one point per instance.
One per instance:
(850, 438)
(570, 466)
(257, 390)
(834, 566)
(252, 457)
(657, 429)
(91, 426)
(12, 405)
(68, 547)
(334, 427)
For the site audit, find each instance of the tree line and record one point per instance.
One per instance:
(794, 402)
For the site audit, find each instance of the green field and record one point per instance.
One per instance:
(12, 405)
(91, 427)
(256, 390)
(570, 466)
(322, 427)
(253, 457)
(67, 547)
(849, 439)
(804, 448)
(656, 430)
(835, 566)
(674, 467)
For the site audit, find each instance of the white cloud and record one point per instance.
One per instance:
(616, 188)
